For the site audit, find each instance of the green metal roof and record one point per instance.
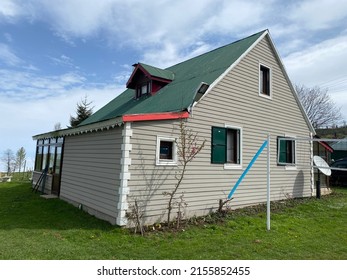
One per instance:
(340, 146)
(157, 72)
(178, 95)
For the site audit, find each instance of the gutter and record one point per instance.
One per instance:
(155, 116)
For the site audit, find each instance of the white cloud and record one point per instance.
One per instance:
(8, 56)
(21, 118)
(318, 14)
(319, 63)
(236, 16)
(168, 26)
(27, 85)
(9, 8)
(322, 65)
(63, 60)
(8, 37)
(72, 19)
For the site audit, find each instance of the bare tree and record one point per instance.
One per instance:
(57, 126)
(320, 108)
(20, 158)
(187, 149)
(9, 160)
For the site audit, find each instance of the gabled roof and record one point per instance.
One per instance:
(157, 72)
(179, 94)
(176, 98)
(151, 72)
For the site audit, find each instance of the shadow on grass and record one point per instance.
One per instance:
(22, 208)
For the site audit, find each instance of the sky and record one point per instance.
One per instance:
(55, 53)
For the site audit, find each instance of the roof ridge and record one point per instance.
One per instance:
(218, 48)
(159, 71)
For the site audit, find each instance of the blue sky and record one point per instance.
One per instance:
(53, 53)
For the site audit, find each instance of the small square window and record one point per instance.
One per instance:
(166, 151)
(264, 80)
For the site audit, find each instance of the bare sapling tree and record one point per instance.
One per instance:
(20, 158)
(9, 161)
(320, 108)
(135, 216)
(181, 204)
(222, 204)
(187, 149)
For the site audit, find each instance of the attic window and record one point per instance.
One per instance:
(264, 81)
(203, 87)
(143, 89)
(201, 90)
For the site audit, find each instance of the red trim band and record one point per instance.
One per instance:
(155, 116)
(326, 146)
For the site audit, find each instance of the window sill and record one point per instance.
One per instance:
(166, 163)
(265, 96)
(232, 166)
(288, 167)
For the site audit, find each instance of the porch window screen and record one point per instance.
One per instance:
(48, 154)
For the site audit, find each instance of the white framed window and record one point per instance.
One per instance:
(265, 81)
(166, 151)
(226, 145)
(286, 152)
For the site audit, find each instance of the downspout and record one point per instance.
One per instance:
(311, 162)
(124, 176)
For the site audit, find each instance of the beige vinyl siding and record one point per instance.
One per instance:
(234, 101)
(91, 172)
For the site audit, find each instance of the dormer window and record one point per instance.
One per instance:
(147, 80)
(143, 89)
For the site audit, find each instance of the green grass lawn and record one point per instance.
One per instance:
(35, 228)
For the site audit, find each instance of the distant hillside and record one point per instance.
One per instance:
(332, 133)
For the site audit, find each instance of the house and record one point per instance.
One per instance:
(233, 97)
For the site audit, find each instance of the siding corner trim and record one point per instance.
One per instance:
(124, 176)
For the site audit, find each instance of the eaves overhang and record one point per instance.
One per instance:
(93, 127)
(155, 116)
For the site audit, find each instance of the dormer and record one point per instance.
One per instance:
(147, 79)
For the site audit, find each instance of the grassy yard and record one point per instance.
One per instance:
(35, 228)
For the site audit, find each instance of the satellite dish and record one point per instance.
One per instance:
(322, 165)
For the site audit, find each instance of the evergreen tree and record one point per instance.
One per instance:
(83, 111)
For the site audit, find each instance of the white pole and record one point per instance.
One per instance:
(268, 184)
